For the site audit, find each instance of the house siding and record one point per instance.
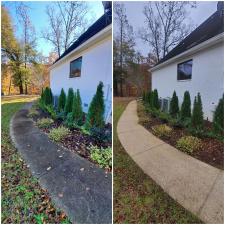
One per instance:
(96, 67)
(207, 78)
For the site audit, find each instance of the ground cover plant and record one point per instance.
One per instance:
(23, 200)
(189, 132)
(74, 129)
(137, 198)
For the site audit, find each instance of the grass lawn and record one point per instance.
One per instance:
(137, 198)
(23, 201)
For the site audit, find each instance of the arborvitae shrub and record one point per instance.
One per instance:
(47, 96)
(197, 113)
(155, 99)
(69, 101)
(77, 111)
(95, 116)
(218, 117)
(186, 106)
(62, 100)
(174, 105)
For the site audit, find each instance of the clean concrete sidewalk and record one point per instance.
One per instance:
(75, 185)
(197, 186)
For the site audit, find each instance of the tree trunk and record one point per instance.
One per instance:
(121, 86)
(21, 89)
(10, 86)
(26, 92)
(115, 84)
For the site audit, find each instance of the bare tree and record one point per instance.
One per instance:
(165, 25)
(124, 42)
(66, 22)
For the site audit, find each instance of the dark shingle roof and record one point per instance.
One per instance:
(99, 25)
(208, 29)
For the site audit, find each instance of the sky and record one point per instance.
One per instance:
(39, 19)
(134, 11)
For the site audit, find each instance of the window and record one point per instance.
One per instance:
(184, 70)
(75, 67)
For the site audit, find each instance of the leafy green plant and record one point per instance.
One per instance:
(50, 109)
(69, 122)
(197, 113)
(44, 122)
(218, 118)
(186, 106)
(39, 218)
(95, 116)
(84, 130)
(77, 111)
(174, 105)
(102, 156)
(164, 117)
(57, 134)
(61, 115)
(101, 134)
(188, 144)
(161, 130)
(69, 101)
(62, 100)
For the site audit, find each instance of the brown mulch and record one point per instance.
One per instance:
(76, 141)
(211, 150)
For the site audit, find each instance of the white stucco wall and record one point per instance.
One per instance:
(207, 78)
(96, 67)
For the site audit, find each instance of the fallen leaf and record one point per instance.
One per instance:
(49, 168)
(81, 169)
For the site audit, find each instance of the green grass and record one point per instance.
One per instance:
(137, 198)
(23, 201)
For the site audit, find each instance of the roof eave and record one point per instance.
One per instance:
(97, 37)
(206, 44)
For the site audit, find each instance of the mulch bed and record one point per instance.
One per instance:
(76, 141)
(211, 150)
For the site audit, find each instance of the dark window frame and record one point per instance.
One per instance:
(178, 73)
(72, 76)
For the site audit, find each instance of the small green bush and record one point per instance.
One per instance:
(33, 112)
(57, 134)
(69, 122)
(48, 97)
(188, 144)
(102, 156)
(84, 130)
(164, 117)
(101, 134)
(218, 118)
(95, 116)
(174, 105)
(62, 100)
(50, 109)
(69, 101)
(161, 130)
(44, 122)
(186, 106)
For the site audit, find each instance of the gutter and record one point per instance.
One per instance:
(206, 44)
(97, 37)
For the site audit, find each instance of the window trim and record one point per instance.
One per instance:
(178, 70)
(71, 69)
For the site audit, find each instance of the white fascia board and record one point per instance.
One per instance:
(206, 44)
(91, 41)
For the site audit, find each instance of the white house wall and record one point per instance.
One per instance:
(207, 78)
(96, 67)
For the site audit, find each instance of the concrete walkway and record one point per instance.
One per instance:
(197, 186)
(75, 185)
